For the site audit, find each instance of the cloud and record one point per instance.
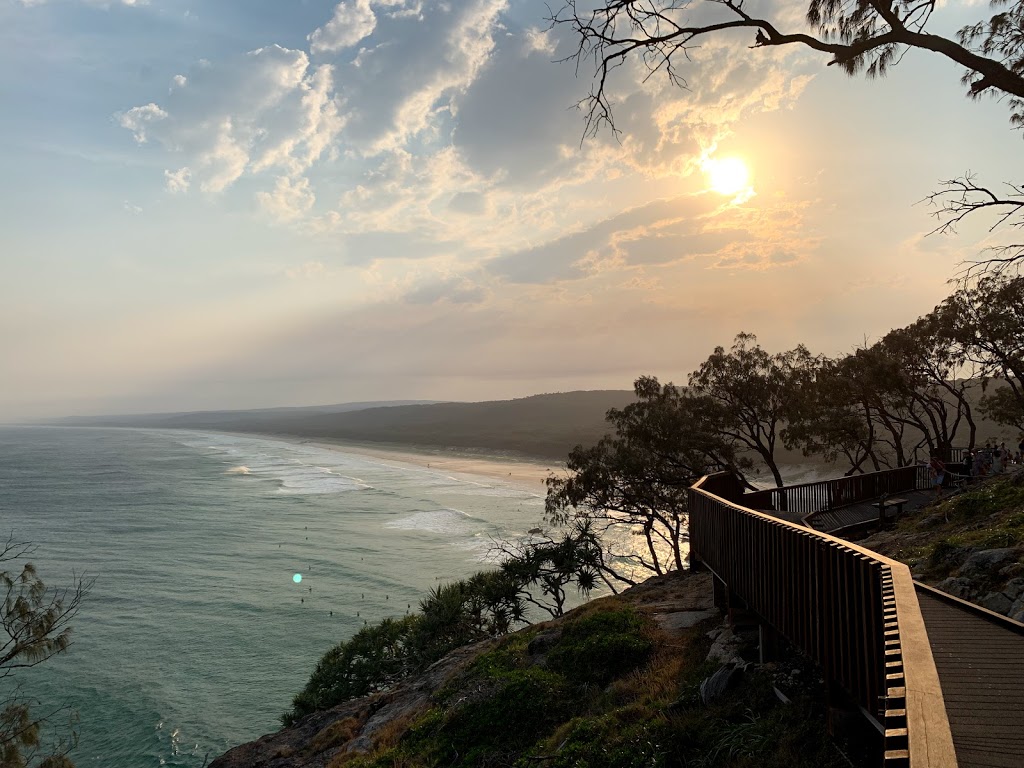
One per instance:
(455, 290)
(578, 254)
(353, 20)
(139, 119)
(449, 134)
(267, 110)
(403, 83)
(290, 199)
(179, 180)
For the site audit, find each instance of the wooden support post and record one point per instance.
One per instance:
(768, 643)
(721, 594)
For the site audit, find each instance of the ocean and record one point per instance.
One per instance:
(196, 633)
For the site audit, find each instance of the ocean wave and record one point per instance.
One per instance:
(448, 521)
(240, 470)
(304, 479)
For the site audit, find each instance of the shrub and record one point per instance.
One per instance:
(375, 658)
(601, 646)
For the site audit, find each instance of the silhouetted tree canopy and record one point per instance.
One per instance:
(856, 35)
(36, 624)
(751, 393)
(635, 480)
(868, 36)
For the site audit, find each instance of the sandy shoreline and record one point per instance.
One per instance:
(523, 473)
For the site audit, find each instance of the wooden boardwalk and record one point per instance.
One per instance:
(952, 673)
(980, 660)
(863, 514)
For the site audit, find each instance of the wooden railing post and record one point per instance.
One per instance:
(848, 608)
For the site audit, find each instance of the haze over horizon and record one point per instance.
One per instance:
(258, 204)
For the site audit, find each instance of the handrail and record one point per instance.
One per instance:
(852, 610)
(807, 498)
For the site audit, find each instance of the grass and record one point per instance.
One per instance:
(939, 537)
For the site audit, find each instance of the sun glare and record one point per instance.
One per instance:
(727, 176)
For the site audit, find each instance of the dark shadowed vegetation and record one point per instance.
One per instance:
(605, 690)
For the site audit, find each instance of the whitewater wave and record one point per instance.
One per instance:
(240, 470)
(447, 521)
(304, 479)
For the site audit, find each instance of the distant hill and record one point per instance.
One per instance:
(540, 426)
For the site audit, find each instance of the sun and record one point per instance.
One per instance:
(727, 176)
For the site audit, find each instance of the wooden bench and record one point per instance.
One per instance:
(884, 504)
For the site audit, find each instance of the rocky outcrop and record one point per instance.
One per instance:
(354, 726)
(989, 578)
(324, 739)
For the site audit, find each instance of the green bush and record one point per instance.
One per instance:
(375, 658)
(635, 738)
(601, 646)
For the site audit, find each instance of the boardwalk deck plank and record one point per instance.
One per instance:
(981, 668)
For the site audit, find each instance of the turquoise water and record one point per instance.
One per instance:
(196, 634)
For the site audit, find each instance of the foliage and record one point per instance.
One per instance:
(550, 566)
(859, 36)
(599, 647)
(829, 417)
(940, 537)
(751, 393)
(985, 324)
(915, 390)
(485, 605)
(37, 626)
(514, 709)
(374, 658)
(636, 480)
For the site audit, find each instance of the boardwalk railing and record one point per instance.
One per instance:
(853, 611)
(806, 498)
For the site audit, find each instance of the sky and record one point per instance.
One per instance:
(252, 203)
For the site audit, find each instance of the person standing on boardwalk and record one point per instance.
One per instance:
(937, 472)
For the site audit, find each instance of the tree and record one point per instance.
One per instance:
(552, 566)
(985, 324)
(829, 419)
(634, 483)
(751, 393)
(487, 604)
(933, 384)
(858, 35)
(374, 659)
(37, 626)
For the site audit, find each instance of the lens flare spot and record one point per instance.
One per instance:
(297, 578)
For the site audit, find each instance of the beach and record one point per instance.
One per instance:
(524, 473)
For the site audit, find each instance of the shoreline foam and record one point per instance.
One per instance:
(526, 474)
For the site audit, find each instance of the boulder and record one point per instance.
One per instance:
(714, 687)
(1014, 588)
(985, 563)
(675, 622)
(1012, 571)
(957, 587)
(996, 601)
(1016, 611)
(726, 646)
